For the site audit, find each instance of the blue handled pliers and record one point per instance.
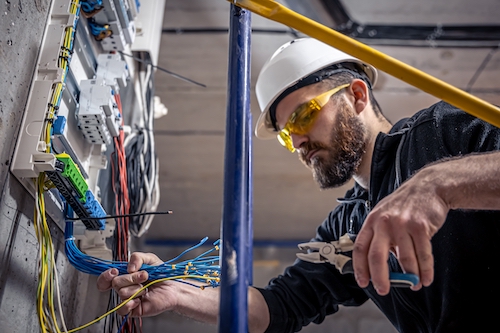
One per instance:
(339, 253)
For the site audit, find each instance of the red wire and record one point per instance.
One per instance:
(122, 204)
(121, 196)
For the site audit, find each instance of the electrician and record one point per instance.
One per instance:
(425, 201)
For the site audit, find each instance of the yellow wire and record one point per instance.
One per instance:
(207, 278)
(74, 6)
(47, 264)
(41, 266)
(47, 267)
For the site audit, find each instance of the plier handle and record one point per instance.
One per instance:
(339, 253)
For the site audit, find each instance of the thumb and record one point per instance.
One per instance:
(104, 281)
(137, 259)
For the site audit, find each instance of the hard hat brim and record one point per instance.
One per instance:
(263, 127)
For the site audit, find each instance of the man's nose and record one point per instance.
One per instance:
(298, 140)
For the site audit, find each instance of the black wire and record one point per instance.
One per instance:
(136, 176)
(110, 321)
(139, 152)
(120, 216)
(180, 31)
(148, 62)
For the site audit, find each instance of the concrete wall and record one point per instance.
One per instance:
(21, 25)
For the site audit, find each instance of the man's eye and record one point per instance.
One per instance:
(306, 117)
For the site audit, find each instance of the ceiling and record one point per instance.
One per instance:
(287, 204)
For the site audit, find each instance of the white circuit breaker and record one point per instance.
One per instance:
(113, 70)
(98, 113)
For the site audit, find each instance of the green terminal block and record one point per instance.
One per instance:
(74, 188)
(74, 175)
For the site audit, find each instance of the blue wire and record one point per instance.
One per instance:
(89, 6)
(202, 265)
(96, 29)
(123, 323)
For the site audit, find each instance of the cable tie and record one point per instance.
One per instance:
(72, 238)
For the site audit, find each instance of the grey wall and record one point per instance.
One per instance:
(21, 26)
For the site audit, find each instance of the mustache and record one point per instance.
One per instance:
(307, 147)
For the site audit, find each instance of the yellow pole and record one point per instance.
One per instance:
(428, 83)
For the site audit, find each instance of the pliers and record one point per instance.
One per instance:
(339, 253)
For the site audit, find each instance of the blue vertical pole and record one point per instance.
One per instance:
(233, 317)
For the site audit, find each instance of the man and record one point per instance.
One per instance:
(431, 180)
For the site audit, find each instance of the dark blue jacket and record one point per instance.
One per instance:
(466, 249)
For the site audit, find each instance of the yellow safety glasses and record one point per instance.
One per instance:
(302, 119)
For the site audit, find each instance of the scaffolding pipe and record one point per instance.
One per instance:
(235, 233)
(428, 83)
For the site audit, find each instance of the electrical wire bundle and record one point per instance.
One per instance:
(69, 37)
(100, 31)
(119, 244)
(48, 282)
(63, 63)
(142, 162)
(120, 190)
(91, 8)
(203, 268)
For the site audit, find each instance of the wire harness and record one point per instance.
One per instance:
(201, 267)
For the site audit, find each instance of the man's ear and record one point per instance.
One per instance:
(359, 89)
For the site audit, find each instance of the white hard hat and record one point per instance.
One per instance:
(292, 62)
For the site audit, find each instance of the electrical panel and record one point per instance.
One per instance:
(74, 117)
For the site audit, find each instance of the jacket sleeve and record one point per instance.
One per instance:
(308, 292)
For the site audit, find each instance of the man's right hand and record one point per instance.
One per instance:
(196, 303)
(157, 298)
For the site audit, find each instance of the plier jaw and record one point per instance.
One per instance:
(335, 253)
(339, 253)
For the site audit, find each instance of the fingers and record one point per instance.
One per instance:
(380, 235)
(127, 280)
(127, 286)
(378, 255)
(137, 259)
(370, 255)
(131, 307)
(110, 278)
(104, 281)
(423, 250)
(360, 257)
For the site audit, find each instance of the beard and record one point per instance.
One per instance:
(344, 152)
